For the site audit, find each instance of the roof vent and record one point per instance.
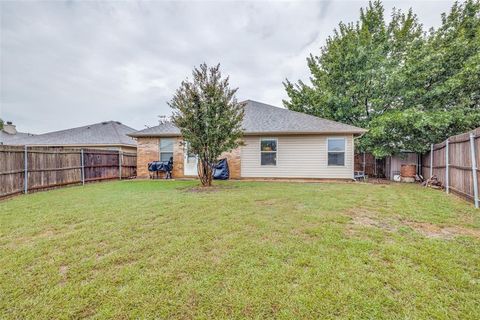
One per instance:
(118, 122)
(105, 122)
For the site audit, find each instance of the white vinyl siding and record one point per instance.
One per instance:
(298, 156)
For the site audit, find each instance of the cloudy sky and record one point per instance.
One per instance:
(67, 64)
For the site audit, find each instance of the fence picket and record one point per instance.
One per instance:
(473, 156)
(431, 160)
(25, 181)
(447, 175)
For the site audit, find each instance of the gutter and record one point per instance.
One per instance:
(261, 133)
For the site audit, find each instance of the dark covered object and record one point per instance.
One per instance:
(159, 166)
(220, 170)
(162, 166)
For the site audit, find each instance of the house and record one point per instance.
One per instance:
(111, 135)
(279, 143)
(10, 135)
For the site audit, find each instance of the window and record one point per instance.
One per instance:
(336, 151)
(268, 151)
(166, 149)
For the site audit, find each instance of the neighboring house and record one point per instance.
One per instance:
(111, 135)
(279, 143)
(10, 135)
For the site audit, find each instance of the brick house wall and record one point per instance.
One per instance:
(148, 150)
(234, 162)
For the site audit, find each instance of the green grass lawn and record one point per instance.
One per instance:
(160, 249)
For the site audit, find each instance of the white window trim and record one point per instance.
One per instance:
(276, 152)
(344, 152)
(160, 147)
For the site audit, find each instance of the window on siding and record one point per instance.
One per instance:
(336, 151)
(268, 151)
(166, 149)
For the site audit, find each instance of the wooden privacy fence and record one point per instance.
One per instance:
(455, 163)
(371, 166)
(24, 169)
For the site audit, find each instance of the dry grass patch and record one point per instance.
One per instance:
(443, 232)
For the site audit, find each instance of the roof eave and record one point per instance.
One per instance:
(251, 133)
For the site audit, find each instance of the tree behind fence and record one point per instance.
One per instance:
(460, 178)
(49, 167)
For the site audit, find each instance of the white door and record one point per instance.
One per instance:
(189, 162)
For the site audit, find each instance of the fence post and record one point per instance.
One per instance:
(25, 181)
(364, 162)
(447, 174)
(474, 168)
(431, 160)
(120, 164)
(83, 166)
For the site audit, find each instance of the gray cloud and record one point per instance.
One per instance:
(66, 64)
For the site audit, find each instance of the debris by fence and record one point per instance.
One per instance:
(24, 169)
(454, 163)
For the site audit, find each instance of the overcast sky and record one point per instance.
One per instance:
(67, 64)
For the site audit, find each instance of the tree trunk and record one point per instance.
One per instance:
(205, 173)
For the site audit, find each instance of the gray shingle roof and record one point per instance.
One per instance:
(12, 139)
(166, 128)
(103, 133)
(261, 118)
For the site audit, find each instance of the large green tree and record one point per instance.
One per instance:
(408, 87)
(209, 117)
(356, 75)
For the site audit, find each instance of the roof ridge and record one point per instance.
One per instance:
(69, 129)
(87, 125)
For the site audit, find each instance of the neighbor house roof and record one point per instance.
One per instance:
(261, 118)
(100, 134)
(11, 139)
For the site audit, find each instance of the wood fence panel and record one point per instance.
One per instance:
(11, 170)
(373, 167)
(100, 165)
(460, 176)
(50, 167)
(129, 165)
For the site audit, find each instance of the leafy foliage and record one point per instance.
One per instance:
(209, 117)
(408, 87)
(1, 124)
